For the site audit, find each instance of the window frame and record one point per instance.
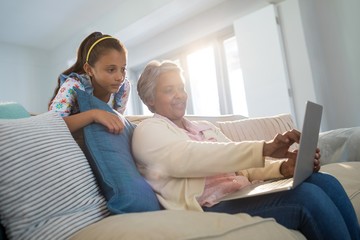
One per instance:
(216, 40)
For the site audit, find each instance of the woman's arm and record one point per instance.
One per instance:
(162, 149)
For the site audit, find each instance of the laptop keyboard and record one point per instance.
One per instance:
(275, 184)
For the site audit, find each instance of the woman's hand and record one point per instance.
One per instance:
(279, 146)
(113, 122)
(317, 160)
(287, 168)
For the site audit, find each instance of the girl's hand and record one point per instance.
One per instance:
(113, 122)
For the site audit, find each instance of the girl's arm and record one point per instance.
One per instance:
(65, 105)
(110, 120)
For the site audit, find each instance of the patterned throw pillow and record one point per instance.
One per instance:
(113, 164)
(47, 188)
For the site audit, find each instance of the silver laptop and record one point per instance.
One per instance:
(304, 163)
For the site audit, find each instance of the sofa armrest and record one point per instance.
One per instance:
(340, 145)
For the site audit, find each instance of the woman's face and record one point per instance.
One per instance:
(170, 96)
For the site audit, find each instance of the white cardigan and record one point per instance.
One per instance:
(176, 166)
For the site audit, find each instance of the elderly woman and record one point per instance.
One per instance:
(192, 165)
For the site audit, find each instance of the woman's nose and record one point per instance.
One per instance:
(180, 93)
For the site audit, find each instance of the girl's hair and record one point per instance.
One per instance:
(148, 79)
(90, 51)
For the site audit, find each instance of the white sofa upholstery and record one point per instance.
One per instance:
(162, 224)
(195, 225)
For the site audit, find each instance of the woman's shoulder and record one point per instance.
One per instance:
(150, 127)
(151, 121)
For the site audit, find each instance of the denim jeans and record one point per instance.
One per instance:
(319, 208)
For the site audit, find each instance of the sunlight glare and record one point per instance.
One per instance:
(202, 78)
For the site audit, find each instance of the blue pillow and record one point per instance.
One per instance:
(12, 110)
(111, 159)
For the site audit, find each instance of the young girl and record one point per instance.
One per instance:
(100, 70)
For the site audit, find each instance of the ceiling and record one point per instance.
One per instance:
(45, 24)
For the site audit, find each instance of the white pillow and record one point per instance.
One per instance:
(340, 145)
(47, 188)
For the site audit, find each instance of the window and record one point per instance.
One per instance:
(237, 91)
(213, 77)
(202, 81)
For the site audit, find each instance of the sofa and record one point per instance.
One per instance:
(51, 189)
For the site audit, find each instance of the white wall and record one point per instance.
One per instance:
(297, 58)
(321, 40)
(336, 67)
(29, 75)
(331, 57)
(24, 72)
(263, 64)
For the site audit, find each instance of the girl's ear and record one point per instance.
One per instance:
(88, 69)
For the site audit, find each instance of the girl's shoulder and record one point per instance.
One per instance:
(74, 80)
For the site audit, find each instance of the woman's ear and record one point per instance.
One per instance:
(150, 103)
(88, 69)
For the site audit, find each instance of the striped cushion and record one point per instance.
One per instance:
(47, 189)
(262, 128)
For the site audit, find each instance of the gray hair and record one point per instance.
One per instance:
(148, 79)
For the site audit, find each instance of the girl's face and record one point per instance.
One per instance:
(170, 96)
(108, 73)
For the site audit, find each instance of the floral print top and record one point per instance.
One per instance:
(65, 101)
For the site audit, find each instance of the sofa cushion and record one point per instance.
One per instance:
(262, 128)
(12, 110)
(173, 224)
(112, 161)
(47, 187)
(348, 175)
